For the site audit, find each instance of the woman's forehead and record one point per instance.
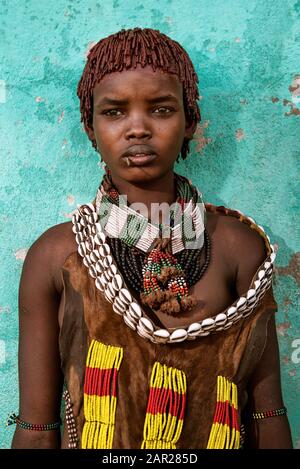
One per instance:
(142, 80)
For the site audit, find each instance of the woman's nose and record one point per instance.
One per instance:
(138, 128)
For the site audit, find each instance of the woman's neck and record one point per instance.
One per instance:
(148, 193)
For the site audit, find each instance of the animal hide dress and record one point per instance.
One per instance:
(133, 385)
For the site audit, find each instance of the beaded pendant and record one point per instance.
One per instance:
(164, 285)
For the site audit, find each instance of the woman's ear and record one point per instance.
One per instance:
(90, 132)
(190, 128)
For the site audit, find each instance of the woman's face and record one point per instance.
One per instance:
(139, 114)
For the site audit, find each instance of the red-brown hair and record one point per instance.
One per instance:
(124, 50)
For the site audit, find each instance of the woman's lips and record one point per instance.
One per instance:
(140, 159)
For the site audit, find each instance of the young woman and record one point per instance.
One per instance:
(161, 337)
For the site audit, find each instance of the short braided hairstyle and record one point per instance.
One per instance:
(124, 50)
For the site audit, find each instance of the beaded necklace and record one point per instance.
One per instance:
(162, 278)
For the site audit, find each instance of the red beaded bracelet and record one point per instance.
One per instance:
(269, 413)
(14, 419)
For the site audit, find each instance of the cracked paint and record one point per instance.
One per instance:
(294, 88)
(282, 327)
(61, 116)
(20, 254)
(293, 269)
(239, 134)
(286, 360)
(199, 137)
(294, 110)
(71, 199)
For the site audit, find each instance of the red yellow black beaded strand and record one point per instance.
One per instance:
(269, 413)
(15, 419)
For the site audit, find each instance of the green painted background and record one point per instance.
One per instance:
(245, 155)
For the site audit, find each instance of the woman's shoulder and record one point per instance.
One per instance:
(50, 250)
(245, 244)
(237, 229)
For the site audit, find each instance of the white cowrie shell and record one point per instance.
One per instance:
(178, 335)
(99, 267)
(107, 261)
(93, 271)
(82, 249)
(117, 282)
(257, 284)
(125, 295)
(220, 319)
(104, 279)
(75, 218)
(112, 270)
(251, 293)
(207, 324)
(231, 312)
(120, 303)
(94, 256)
(129, 322)
(146, 324)
(194, 327)
(87, 209)
(111, 290)
(261, 274)
(104, 250)
(79, 237)
(135, 310)
(272, 257)
(241, 302)
(107, 276)
(162, 335)
(99, 284)
(77, 228)
(93, 218)
(99, 238)
(117, 309)
(143, 333)
(108, 295)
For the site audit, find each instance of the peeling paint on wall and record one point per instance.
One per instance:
(239, 134)
(20, 254)
(199, 138)
(292, 269)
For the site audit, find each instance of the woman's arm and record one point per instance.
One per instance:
(264, 390)
(265, 394)
(40, 376)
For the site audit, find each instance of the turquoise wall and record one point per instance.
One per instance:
(245, 154)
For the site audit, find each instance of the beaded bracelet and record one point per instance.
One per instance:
(269, 413)
(14, 419)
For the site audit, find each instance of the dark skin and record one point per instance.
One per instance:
(160, 124)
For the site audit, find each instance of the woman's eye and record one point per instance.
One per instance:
(112, 112)
(163, 109)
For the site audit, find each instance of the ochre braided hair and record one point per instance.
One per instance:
(124, 50)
